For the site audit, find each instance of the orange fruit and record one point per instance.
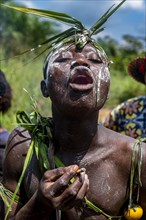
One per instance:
(134, 213)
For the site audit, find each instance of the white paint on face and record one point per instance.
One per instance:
(98, 85)
(52, 56)
(105, 74)
(100, 73)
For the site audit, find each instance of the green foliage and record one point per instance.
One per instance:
(123, 54)
(22, 75)
(123, 86)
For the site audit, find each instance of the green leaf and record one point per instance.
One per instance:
(26, 164)
(43, 155)
(49, 14)
(36, 148)
(3, 195)
(33, 117)
(58, 162)
(22, 117)
(104, 18)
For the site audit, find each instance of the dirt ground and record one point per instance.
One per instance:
(103, 113)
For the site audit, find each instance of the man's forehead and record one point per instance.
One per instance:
(72, 47)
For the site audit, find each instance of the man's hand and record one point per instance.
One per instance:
(63, 188)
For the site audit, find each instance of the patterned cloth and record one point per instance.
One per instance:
(129, 118)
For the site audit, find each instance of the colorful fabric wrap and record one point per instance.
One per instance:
(129, 118)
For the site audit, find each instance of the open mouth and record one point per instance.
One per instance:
(81, 79)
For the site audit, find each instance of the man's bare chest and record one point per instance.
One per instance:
(107, 190)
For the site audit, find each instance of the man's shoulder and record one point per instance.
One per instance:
(19, 139)
(15, 153)
(116, 138)
(120, 141)
(20, 133)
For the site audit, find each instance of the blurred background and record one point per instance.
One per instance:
(123, 39)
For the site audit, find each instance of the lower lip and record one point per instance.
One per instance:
(81, 87)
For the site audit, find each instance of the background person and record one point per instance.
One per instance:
(5, 104)
(129, 117)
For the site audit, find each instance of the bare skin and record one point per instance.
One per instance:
(72, 82)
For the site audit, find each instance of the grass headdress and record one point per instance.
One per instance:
(78, 33)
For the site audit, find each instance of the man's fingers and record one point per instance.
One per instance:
(53, 175)
(64, 181)
(74, 193)
(83, 190)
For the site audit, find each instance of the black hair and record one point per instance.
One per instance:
(5, 93)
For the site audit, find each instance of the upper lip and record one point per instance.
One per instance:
(81, 78)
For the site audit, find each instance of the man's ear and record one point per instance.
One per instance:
(44, 89)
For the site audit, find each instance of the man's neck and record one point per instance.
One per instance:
(74, 134)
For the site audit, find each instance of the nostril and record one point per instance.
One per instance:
(74, 64)
(86, 65)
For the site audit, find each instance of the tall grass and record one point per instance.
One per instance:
(22, 75)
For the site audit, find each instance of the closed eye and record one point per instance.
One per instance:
(96, 61)
(62, 59)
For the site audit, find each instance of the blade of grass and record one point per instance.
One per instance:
(26, 164)
(104, 18)
(49, 14)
